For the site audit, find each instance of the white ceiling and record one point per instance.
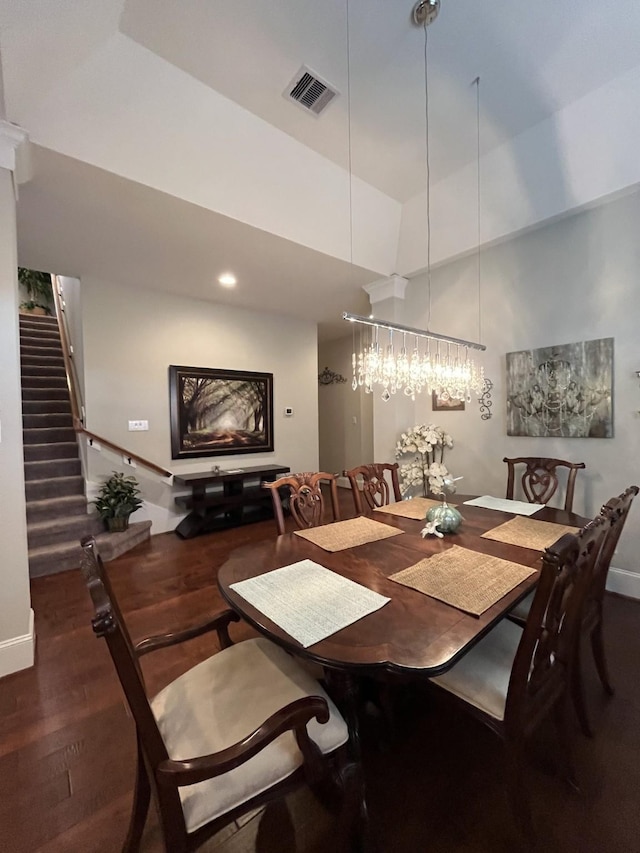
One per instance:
(533, 59)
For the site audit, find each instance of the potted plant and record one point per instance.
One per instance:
(39, 290)
(117, 499)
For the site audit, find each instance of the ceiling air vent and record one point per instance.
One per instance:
(308, 90)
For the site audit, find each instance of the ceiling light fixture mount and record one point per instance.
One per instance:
(425, 12)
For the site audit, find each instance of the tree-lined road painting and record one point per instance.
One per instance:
(219, 414)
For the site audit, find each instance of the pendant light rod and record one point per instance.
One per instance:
(408, 330)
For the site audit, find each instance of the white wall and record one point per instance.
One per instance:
(577, 279)
(345, 415)
(130, 339)
(16, 617)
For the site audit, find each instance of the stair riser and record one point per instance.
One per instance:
(39, 490)
(42, 371)
(56, 508)
(70, 529)
(51, 469)
(30, 349)
(43, 436)
(45, 394)
(42, 360)
(31, 338)
(44, 564)
(54, 450)
(44, 407)
(48, 420)
(45, 384)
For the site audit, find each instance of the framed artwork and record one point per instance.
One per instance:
(561, 391)
(219, 412)
(438, 404)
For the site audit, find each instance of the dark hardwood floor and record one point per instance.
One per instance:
(67, 741)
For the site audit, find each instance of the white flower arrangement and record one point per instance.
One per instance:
(427, 469)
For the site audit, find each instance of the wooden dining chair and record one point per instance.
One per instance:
(371, 482)
(237, 730)
(615, 511)
(514, 678)
(304, 497)
(540, 479)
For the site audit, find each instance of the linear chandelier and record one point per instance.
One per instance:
(422, 361)
(401, 358)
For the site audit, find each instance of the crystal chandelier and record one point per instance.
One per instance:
(400, 358)
(419, 361)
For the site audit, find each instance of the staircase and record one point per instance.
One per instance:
(57, 515)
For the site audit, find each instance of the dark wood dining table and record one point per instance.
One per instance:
(413, 635)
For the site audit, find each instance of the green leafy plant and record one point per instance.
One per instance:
(117, 499)
(38, 287)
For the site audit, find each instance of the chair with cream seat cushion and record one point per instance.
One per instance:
(513, 678)
(540, 479)
(371, 482)
(616, 511)
(238, 729)
(304, 497)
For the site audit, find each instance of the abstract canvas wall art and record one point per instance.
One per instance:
(561, 391)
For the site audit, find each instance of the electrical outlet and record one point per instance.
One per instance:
(138, 426)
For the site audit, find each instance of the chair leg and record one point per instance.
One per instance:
(597, 646)
(577, 693)
(561, 715)
(140, 808)
(517, 790)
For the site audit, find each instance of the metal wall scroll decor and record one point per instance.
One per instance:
(561, 391)
(329, 377)
(485, 400)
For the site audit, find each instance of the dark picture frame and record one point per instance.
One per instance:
(440, 405)
(218, 412)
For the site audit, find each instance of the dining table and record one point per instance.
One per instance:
(413, 634)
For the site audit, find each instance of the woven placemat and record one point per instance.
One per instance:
(465, 579)
(529, 533)
(415, 508)
(348, 534)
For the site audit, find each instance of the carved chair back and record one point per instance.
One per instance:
(305, 498)
(616, 510)
(375, 487)
(108, 623)
(540, 479)
(543, 663)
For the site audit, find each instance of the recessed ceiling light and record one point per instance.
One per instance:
(227, 280)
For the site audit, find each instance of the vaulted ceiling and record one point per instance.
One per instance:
(165, 145)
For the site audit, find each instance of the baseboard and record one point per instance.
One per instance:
(624, 582)
(343, 482)
(18, 653)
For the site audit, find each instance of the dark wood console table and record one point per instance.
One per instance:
(225, 499)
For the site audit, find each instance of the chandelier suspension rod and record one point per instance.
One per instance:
(420, 333)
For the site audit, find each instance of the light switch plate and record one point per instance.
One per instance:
(138, 426)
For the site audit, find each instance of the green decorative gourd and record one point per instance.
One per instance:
(447, 518)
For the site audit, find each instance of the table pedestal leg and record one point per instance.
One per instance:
(343, 687)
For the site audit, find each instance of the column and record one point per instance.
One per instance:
(17, 637)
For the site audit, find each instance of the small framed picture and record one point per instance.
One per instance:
(448, 405)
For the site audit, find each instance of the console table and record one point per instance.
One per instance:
(226, 498)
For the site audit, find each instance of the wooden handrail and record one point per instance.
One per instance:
(79, 428)
(76, 398)
(69, 365)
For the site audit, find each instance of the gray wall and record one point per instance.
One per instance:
(131, 337)
(345, 415)
(572, 280)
